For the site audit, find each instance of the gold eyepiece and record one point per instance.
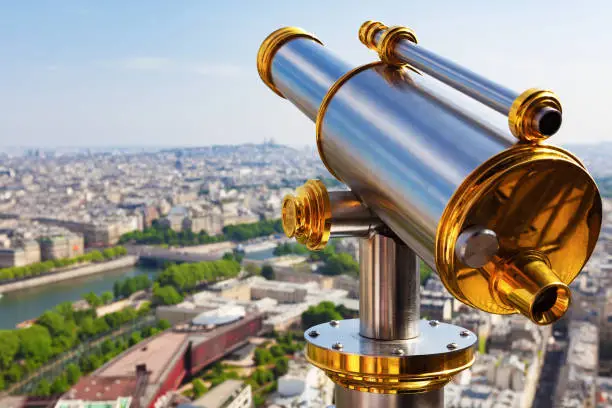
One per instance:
(307, 215)
(535, 115)
(529, 285)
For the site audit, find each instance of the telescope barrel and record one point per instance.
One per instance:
(506, 226)
(398, 45)
(303, 70)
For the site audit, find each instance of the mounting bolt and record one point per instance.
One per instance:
(334, 323)
(338, 346)
(313, 333)
(452, 346)
(464, 333)
(398, 352)
(434, 323)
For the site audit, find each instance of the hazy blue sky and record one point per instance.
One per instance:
(153, 72)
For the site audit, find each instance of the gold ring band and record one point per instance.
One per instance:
(524, 109)
(268, 49)
(388, 41)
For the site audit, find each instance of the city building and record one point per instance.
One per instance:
(148, 373)
(303, 386)
(229, 394)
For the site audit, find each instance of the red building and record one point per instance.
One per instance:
(149, 370)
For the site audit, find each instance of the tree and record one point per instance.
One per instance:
(43, 389)
(166, 295)
(199, 388)
(35, 343)
(9, 346)
(281, 366)
(322, 313)
(59, 386)
(96, 256)
(277, 351)
(135, 338)
(262, 356)
(73, 373)
(107, 297)
(90, 363)
(93, 299)
(109, 253)
(267, 272)
(163, 324)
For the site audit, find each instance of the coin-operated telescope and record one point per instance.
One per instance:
(506, 221)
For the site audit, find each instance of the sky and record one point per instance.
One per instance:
(183, 73)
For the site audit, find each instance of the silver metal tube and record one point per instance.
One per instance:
(389, 306)
(346, 398)
(403, 150)
(483, 90)
(303, 71)
(384, 133)
(350, 217)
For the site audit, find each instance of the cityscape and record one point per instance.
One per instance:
(163, 278)
(305, 204)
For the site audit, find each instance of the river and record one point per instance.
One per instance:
(17, 306)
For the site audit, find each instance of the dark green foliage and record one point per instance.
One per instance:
(166, 295)
(262, 356)
(244, 232)
(263, 376)
(277, 351)
(9, 346)
(158, 234)
(107, 297)
(267, 272)
(199, 388)
(281, 366)
(43, 389)
(259, 400)
(188, 276)
(90, 363)
(59, 385)
(128, 286)
(290, 248)
(163, 324)
(323, 312)
(73, 373)
(135, 338)
(340, 264)
(93, 299)
(40, 268)
(35, 343)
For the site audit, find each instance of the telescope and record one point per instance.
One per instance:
(506, 220)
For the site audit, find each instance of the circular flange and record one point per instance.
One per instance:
(416, 365)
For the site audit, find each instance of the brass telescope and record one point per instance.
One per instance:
(507, 221)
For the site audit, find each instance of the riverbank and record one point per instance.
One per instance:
(91, 269)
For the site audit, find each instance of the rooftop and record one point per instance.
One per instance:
(156, 354)
(101, 389)
(218, 396)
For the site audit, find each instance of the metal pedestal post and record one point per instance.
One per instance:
(355, 399)
(389, 309)
(388, 357)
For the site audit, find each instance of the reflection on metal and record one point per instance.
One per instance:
(369, 365)
(389, 283)
(313, 215)
(533, 115)
(507, 226)
(349, 398)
